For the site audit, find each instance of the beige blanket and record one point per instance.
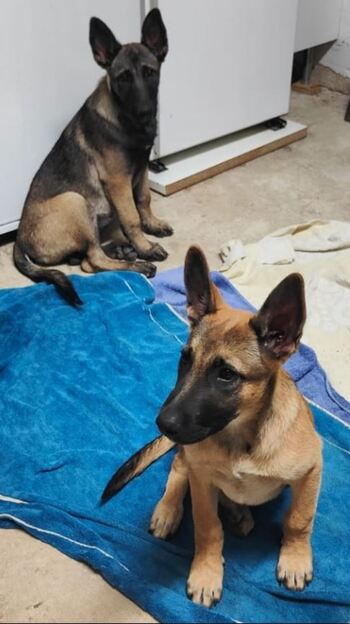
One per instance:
(320, 251)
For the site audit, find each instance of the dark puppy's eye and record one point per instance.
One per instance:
(226, 374)
(124, 77)
(148, 71)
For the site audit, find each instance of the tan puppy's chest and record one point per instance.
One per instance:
(247, 489)
(239, 478)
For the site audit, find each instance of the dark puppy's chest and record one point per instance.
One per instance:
(136, 161)
(124, 167)
(114, 156)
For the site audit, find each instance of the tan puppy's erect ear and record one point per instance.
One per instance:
(202, 295)
(279, 323)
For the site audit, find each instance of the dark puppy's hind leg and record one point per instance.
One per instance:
(119, 252)
(96, 260)
(115, 243)
(75, 259)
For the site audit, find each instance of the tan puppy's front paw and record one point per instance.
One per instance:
(204, 585)
(166, 519)
(294, 567)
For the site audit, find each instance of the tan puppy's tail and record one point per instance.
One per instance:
(52, 276)
(136, 465)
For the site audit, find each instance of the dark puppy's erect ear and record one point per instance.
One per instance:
(280, 321)
(154, 35)
(202, 295)
(103, 43)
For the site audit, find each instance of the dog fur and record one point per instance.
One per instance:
(243, 429)
(93, 185)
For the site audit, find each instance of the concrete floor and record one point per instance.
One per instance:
(307, 180)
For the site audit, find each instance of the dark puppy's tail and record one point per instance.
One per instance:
(52, 276)
(136, 465)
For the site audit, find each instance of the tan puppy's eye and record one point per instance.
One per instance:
(226, 374)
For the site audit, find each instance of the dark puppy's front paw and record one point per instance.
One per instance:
(157, 227)
(166, 230)
(159, 230)
(155, 252)
(159, 253)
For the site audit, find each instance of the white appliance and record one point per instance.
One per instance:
(318, 21)
(46, 72)
(229, 67)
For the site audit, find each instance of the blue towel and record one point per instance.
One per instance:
(304, 367)
(79, 393)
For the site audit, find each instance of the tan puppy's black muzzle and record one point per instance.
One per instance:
(172, 424)
(206, 407)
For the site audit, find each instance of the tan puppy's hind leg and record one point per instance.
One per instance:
(238, 517)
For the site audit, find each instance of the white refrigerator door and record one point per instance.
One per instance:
(228, 68)
(47, 71)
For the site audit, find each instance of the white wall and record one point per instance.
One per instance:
(338, 57)
(47, 71)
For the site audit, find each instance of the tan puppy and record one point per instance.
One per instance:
(244, 430)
